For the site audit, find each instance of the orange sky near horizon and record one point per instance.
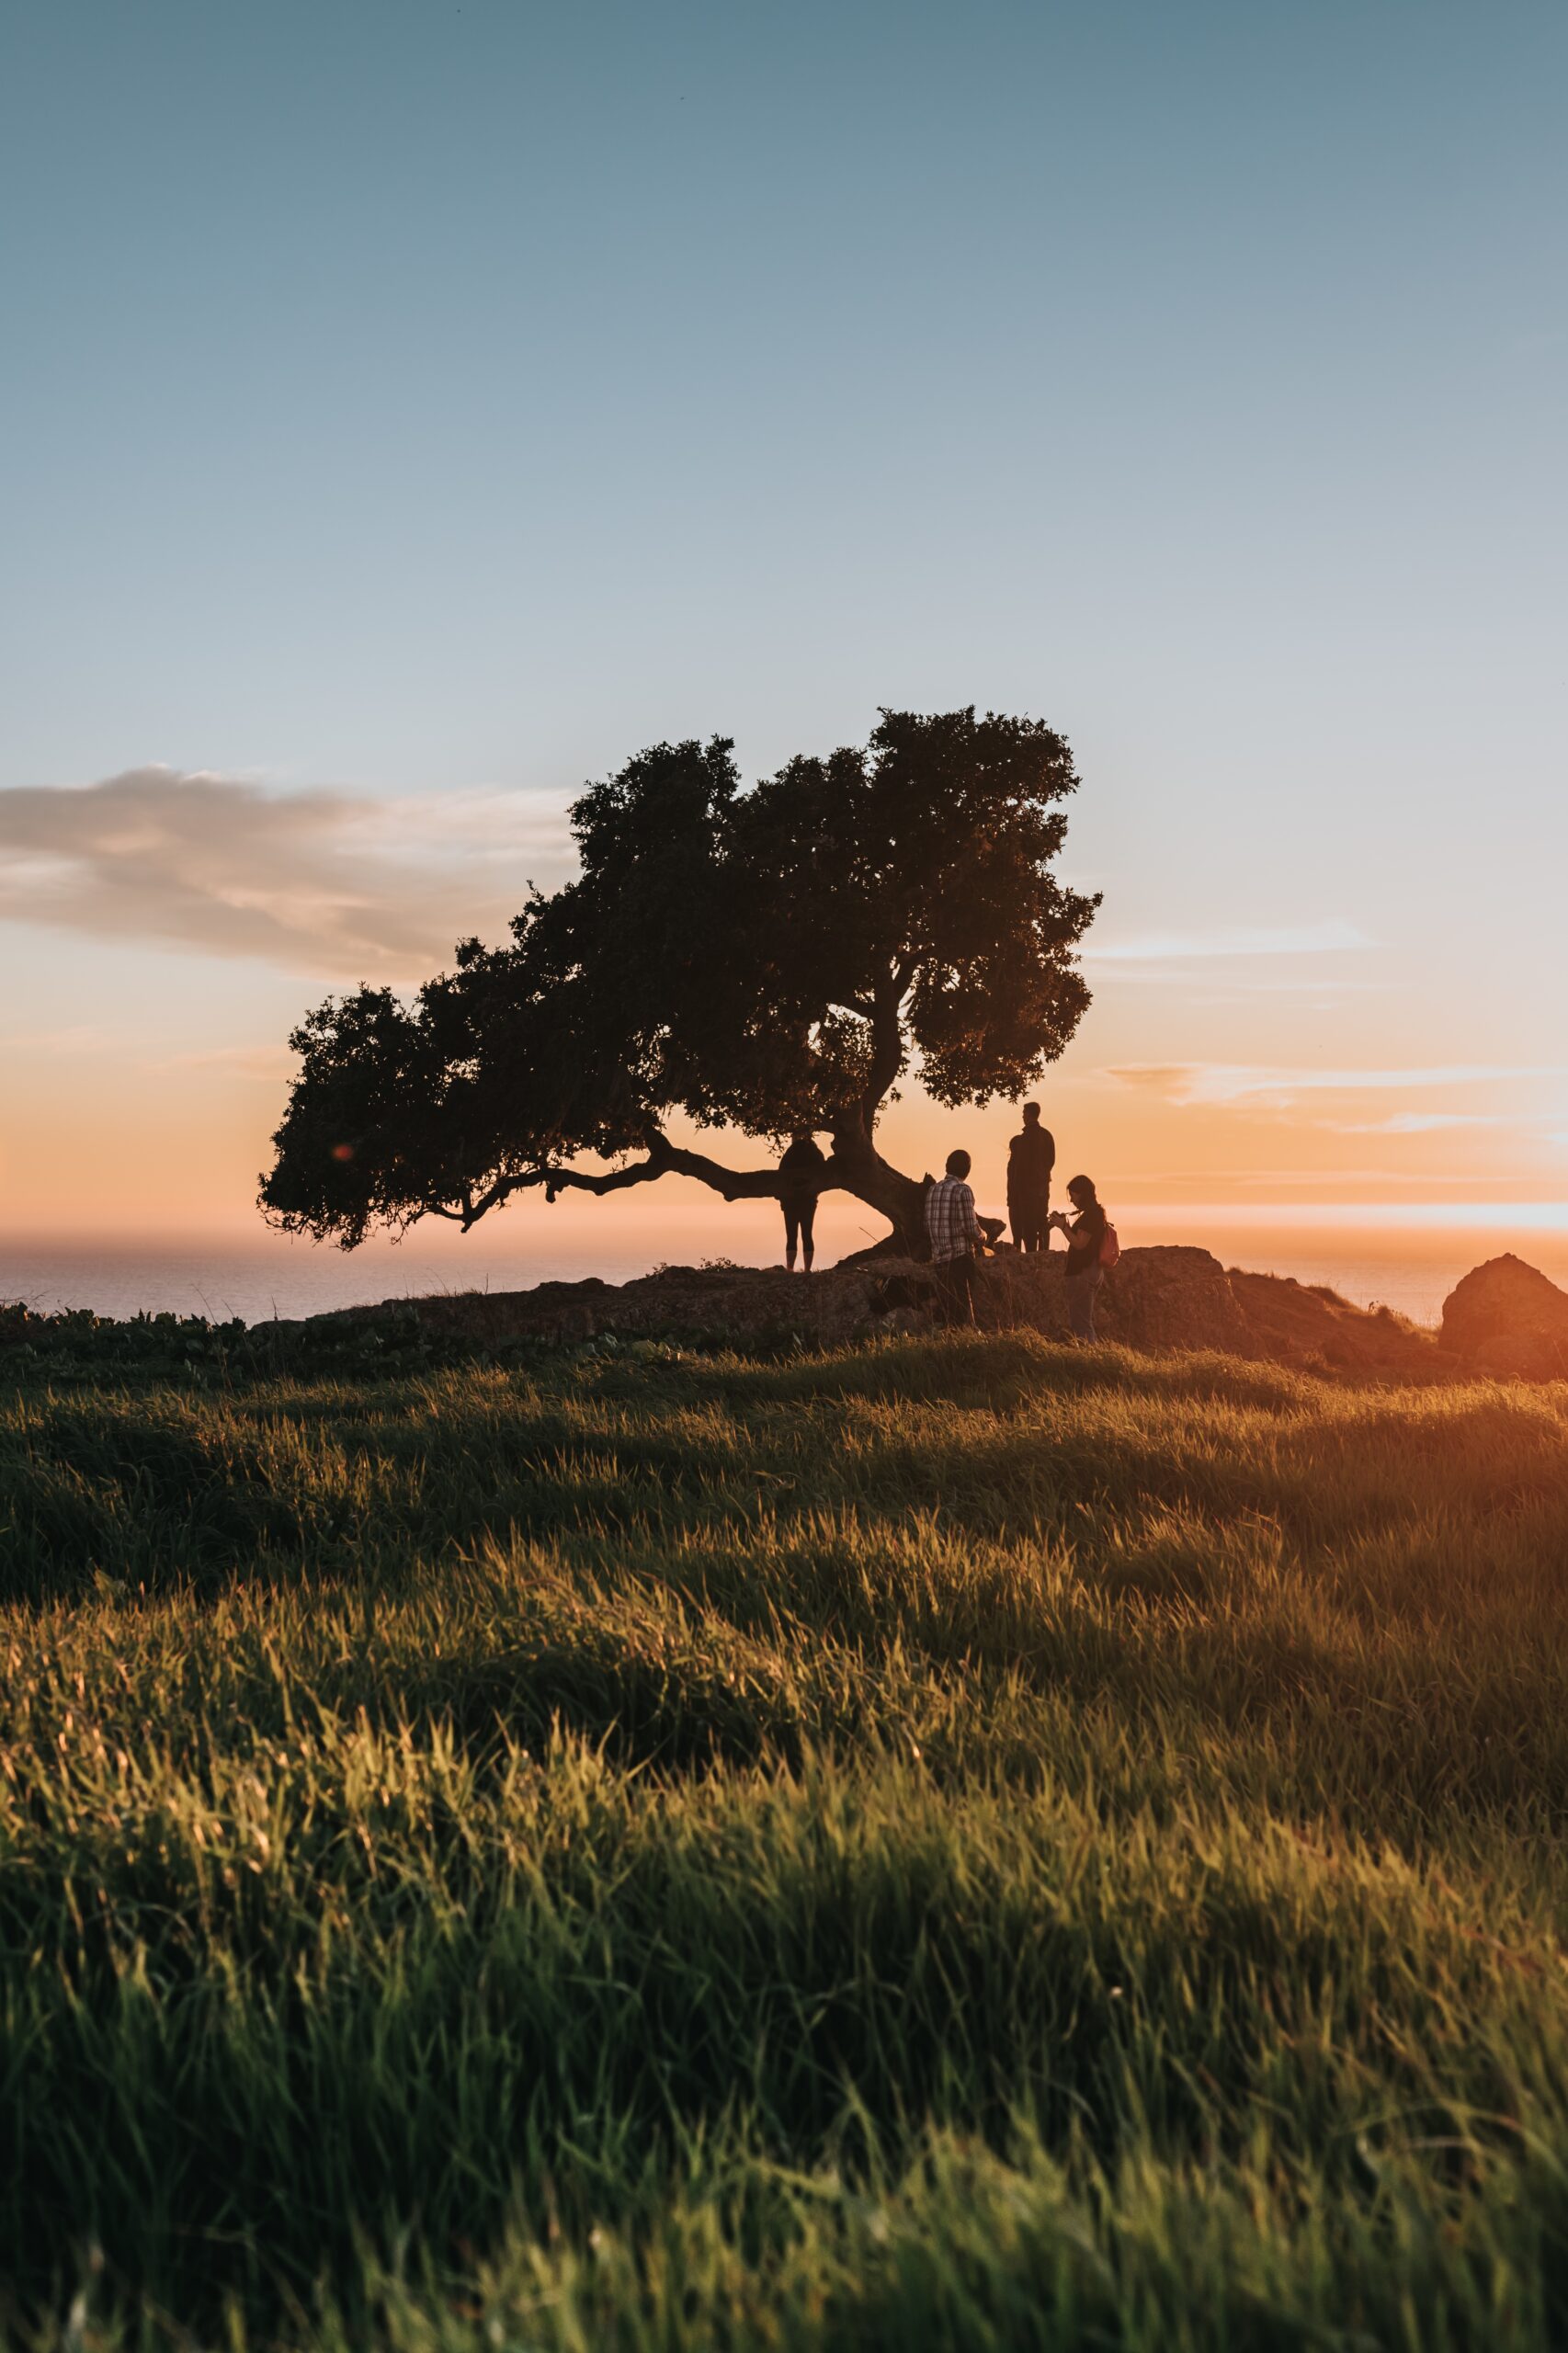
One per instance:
(1192, 380)
(1256, 1074)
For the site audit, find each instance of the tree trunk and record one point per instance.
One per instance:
(855, 1166)
(858, 1167)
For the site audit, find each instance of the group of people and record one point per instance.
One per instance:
(957, 1234)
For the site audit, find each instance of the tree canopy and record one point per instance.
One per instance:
(770, 960)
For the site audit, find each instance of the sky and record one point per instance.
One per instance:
(410, 411)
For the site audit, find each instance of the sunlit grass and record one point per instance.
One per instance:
(946, 1843)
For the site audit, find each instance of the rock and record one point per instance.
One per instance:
(1508, 1319)
(1163, 1297)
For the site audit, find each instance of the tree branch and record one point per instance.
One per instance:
(664, 1159)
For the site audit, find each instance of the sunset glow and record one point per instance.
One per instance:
(784, 1175)
(1298, 607)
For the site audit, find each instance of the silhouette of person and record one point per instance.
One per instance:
(799, 1171)
(1032, 1156)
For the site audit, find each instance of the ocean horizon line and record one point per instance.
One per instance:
(1419, 1217)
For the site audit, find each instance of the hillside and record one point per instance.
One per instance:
(927, 1843)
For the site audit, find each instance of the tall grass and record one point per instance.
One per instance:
(942, 1843)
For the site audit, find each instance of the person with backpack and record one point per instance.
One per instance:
(1092, 1246)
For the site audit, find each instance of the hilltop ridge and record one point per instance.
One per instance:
(1503, 1320)
(1162, 1296)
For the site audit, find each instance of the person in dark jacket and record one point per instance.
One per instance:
(1032, 1156)
(800, 1173)
(1085, 1233)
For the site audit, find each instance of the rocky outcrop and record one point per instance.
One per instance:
(1508, 1319)
(1310, 1325)
(1163, 1297)
(1155, 1298)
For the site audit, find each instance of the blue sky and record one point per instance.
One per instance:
(424, 406)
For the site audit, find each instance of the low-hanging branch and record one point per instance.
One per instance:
(772, 961)
(663, 1159)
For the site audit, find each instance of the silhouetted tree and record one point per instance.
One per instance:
(768, 960)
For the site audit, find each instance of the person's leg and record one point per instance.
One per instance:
(808, 1220)
(1079, 1292)
(955, 1289)
(792, 1234)
(1028, 1224)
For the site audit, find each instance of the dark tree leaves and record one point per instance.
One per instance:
(765, 960)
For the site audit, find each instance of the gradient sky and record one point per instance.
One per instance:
(410, 411)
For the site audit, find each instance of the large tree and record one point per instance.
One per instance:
(767, 960)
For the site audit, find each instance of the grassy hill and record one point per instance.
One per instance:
(947, 1842)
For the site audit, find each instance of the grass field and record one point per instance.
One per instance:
(949, 1843)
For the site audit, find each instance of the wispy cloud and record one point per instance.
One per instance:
(1261, 1087)
(1421, 1123)
(338, 883)
(1330, 937)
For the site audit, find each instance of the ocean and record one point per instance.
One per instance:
(1410, 1266)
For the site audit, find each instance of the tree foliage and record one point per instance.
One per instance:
(765, 960)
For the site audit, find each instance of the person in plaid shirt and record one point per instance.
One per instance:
(953, 1235)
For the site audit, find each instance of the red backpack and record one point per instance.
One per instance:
(1110, 1248)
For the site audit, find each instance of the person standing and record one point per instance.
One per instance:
(953, 1235)
(799, 1171)
(1032, 1156)
(1085, 1235)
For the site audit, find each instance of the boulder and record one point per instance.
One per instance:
(1508, 1319)
(1167, 1296)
